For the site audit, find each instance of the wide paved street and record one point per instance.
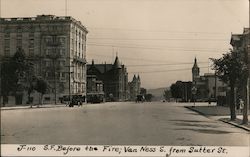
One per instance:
(125, 123)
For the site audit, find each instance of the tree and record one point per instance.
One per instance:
(8, 80)
(14, 72)
(148, 97)
(143, 91)
(41, 87)
(176, 90)
(230, 69)
(167, 94)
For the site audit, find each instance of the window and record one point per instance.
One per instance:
(7, 51)
(31, 51)
(7, 35)
(48, 39)
(62, 52)
(31, 35)
(63, 75)
(19, 30)
(48, 51)
(47, 63)
(72, 43)
(47, 98)
(19, 35)
(31, 43)
(62, 40)
(7, 43)
(62, 63)
(19, 43)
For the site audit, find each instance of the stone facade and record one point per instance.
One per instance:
(56, 46)
(114, 78)
(134, 87)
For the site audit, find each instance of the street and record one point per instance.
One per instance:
(122, 123)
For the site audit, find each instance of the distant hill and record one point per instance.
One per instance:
(157, 93)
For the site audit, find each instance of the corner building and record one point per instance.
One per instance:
(55, 45)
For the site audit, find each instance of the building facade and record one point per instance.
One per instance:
(114, 78)
(55, 45)
(209, 86)
(134, 87)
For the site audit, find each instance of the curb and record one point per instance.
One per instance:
(222, 120)
(192, 109)
(28, 107)
(236, 125)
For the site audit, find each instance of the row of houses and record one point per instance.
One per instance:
(56, 46)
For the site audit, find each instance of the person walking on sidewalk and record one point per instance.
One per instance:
(241, 105)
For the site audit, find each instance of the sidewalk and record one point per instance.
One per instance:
(33, 106)
(223, 114)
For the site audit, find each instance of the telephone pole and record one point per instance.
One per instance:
(247, 105)
(66, 8)
(0, 8)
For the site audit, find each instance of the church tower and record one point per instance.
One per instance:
(195, 71)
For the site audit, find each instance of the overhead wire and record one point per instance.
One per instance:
(172, 70)
(152, 48)
(138, 59)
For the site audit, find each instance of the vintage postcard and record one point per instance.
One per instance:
(125, 78)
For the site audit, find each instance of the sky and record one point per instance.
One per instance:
(156, 39)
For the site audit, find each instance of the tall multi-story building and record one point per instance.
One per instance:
(55, 45)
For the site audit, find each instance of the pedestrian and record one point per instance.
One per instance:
(241, 105)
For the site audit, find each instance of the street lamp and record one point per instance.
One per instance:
(69, 74)
(194, 91)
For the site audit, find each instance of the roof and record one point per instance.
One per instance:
(235, 38)
(246, 31)
(195, 63)
(101, 67)
(117, 63)
(238, 37)
(42, 19)
(209, 74)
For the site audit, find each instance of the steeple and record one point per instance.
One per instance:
(195, 70)
(134, 78)
(117, 63)
(195, 63)
(138, 78)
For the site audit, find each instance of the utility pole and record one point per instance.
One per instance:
(69, 77)
(54, 57)
(246, 106)
(0, 82)
(0, 8)
(215, 86)
(66, 7)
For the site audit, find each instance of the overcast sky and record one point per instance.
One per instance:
(157, 39)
